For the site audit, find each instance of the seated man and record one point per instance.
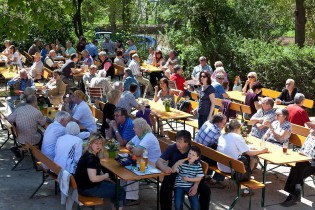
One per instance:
(258, 120)
(92, 48)
(19, 84)
(68, 148)
(35, 47)
(69, 49)
(53, 132)
(128, 79)
(106, 68)
(300, 171)
(89, 76)
(27, 118)
(202, 66)
(218, 86)
(37, 67)
(135, 68)
(121, 128)
(108, 45)
(171, 155)
(171, 58)
(68, 69)
(49, 61)
(297, 114)
(208, 135)
(288, 93)
(55, 89)
(127, 99)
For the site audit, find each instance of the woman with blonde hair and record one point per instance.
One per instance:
(89, 177)
(82, 113)
(108, 111)
(251, 79)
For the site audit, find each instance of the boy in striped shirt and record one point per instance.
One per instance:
(189, 171)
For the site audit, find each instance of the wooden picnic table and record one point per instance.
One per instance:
(150, 68)
(275, 156)
(240, 97)
(123, 173)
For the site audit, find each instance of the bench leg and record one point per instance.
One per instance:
(237, 197)
(41, 184)
(158, 193)
(117, 193)
(264, 182)
(20, 160)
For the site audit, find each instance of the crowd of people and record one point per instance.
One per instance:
(74, 124)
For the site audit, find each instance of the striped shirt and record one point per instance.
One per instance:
(27, 118)
(188, 170)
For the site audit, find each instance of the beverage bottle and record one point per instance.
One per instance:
(134, 161)
(145, 157)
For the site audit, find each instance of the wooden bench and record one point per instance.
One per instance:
(275, 94)
(234, 164)
(52, 166)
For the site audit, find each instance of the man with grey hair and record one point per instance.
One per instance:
(106, 67)
(288, 93)
(118, 85)
(202, 66)
(128, 79)
(53, 132)
(68, 148)
(263, 115)
(27, 118)
(35, 47)
(49, 61)
(297, 114)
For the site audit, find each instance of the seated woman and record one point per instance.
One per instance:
(232, 144)
(252, 99)
(288, 93)
(279, 130)
(144, 144)
(56, 89)
(165, 93)
(150, 56)
(15, 57)
(251, 78)
(119, 60)
(108, 111)
(89, 177)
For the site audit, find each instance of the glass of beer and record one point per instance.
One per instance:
(142, 165)
(285, 147)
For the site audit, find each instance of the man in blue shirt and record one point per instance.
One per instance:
(219, 90)
(202, 66)
(122, 127)
(92, 48)
(19, 83)
(132, 46)
(129, 78)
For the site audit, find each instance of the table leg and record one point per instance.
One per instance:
(158, 125)
(184, 124)
(158, 193)
(264, 182)
(117, 193)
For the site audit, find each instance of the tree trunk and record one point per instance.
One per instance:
(77, 19)
(300, 21)
(126, 18)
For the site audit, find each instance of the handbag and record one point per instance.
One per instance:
(124, 161)
(239, 177)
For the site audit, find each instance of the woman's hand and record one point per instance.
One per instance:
(194, 112)
(156, 89)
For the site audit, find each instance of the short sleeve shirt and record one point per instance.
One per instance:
(219, 90)
(308, 147)
(232, 145)
(297, 115)
(189, 170)
(83, 114)
(286, 126)
(179, 81)
(204, 100)
(151, 144)
(250, 101)
(88, 160)
(66, 69)
(269, 115)
(208, 135)
(172, 155)
(126, 130)
(127, 101)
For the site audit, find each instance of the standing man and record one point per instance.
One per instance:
(131, 46)
(171, 155)
(202, 66)
(122, 127)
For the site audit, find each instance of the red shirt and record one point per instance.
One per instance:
(297, 115)
(179, 81)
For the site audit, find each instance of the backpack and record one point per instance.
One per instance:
(239, 177)
(184, 106)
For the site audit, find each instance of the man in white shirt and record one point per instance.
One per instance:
(53, 132)
(49, 61)
(135, 68)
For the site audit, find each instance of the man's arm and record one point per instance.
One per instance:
(161, 164)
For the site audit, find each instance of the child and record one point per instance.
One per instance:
(189, 172)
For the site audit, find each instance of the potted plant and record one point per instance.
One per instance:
(167, 104)
(112, 148)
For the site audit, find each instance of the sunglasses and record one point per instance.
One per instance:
(288, 84)
(202, 60)
(279, 115)
(251, 77)
(203, 76)
(220, 78)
